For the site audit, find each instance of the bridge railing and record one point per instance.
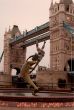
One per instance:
(28, 33)
(41, 37)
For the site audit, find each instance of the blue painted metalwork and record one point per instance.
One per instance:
(39, 38)
(69, 28)
(28, 33)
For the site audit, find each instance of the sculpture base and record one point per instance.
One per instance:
(5, 80)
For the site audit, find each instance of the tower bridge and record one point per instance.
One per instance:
(59, 78)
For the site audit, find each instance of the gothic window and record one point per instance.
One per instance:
(58, 59)
(56, 48)
(58, 7)
(70, 10)
(55, 59)
(66, 46)
(73, 19)
(55, 9)
(67, 8)
(72, 48)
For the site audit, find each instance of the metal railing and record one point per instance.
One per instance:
(39, 38)
(38, 28)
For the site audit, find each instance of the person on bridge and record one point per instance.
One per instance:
(25, 70)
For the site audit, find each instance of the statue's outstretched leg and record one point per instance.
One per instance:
(25, 73)
(30, 82)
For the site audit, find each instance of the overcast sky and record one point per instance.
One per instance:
(27, 14)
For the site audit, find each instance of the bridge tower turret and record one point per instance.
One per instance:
(14, 56)
(7, 69)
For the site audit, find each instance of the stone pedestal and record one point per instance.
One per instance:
(5, 80)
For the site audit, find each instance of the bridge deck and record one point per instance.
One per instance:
(40, 38)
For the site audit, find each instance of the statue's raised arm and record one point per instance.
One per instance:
(43, 45)
(40, 50)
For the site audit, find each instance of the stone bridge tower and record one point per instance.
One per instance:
(14, 56)
(61, 41)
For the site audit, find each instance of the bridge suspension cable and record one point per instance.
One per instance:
(1, 56)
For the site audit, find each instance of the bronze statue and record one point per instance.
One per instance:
(29, 66)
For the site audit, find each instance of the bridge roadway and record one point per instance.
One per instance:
(13, 94)
(40, 33)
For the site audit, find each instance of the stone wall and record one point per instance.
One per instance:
(5, 80)
(47, 77)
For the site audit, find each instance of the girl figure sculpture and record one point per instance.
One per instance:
(29, 65)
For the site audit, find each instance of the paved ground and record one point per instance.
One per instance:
(9, 105)
(49, 94)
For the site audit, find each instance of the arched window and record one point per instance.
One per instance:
(58, 7)
(67, 8)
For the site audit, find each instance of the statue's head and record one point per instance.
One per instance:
(35, 57)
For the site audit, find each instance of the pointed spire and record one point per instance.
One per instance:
(9, 29)
(15, 30)
(5, 30)
(51, 6)
(52, 1)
